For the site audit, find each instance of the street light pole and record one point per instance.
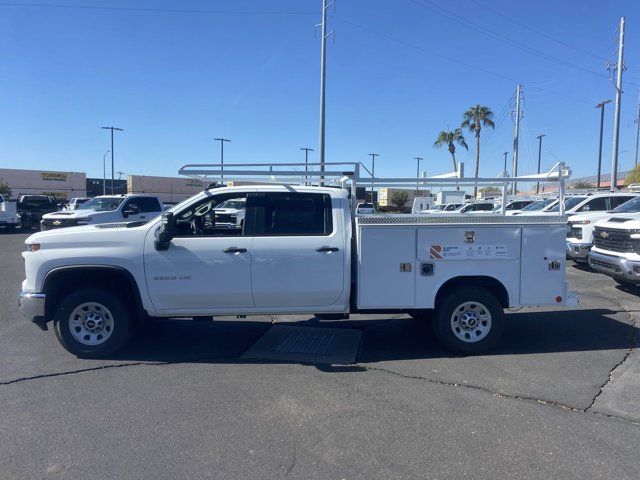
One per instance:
(221, 140)
(637, 120)
(616, 117)
(112, 160)
(417, 172)
(373, 172)
(306, 158)
(601, 107)
(104, 173)
(539, 137)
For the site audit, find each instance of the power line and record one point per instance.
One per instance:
(531, 29)
(498, 36)
(153, 10)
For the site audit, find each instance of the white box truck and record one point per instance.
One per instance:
(450, 196)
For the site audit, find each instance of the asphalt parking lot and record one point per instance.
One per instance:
(557, 399)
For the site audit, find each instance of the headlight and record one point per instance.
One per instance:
(84, 221)
(32, 247)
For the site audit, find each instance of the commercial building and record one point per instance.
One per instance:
(60, 185)
(385, 195)
(169, 189)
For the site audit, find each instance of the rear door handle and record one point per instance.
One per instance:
(327, 249)
(234, 250)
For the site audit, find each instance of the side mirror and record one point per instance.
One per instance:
(166, 232)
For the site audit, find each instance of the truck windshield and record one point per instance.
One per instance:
(569, 203)
(632, 206)
(538, 205)
(235, 203)
(102, 204)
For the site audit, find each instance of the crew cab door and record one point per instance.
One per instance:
(205, 270)
(298, 253)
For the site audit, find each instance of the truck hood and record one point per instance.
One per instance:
(72, 214)
(98, 235)
(593, 216)
(627, 221)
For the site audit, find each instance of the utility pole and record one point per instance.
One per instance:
(417, 173)
(373, 172)
(637, 120)
(306, 160)
(616, 119)
(539, 137)
(112, 161)
(221, 140)
(323, 76)
(104, 173)
(516, 136)
(505, 162)
(601, 107)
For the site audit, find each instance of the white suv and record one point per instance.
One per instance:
(581, 225)
(106, 209)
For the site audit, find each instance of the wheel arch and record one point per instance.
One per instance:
(492, 284)
(61, 281)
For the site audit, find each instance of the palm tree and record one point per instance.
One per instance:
(474, 119)
(450, 138)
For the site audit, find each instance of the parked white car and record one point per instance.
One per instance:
(514, 206)
(106, 209)
(536, 205)
(581, 226)
(444, 208)
(9, 218)
(597, 202)
(75, 202)
(365, 208)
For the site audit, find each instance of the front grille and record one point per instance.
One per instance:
(574, 232)
(58, 223)
(225, 218)
(613, 240)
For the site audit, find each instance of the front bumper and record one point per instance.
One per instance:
(32, 306)
(578, 251)
(615, 266)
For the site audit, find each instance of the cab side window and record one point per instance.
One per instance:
(619, 200)
(214, 216)
(293, 214)
(149, 204)
(595, 205)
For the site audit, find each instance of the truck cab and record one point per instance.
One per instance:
(106, 209)
(9, 218)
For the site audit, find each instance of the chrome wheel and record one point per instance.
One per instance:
(91, 323)
(471, 321)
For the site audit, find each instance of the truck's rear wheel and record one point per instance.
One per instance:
(92, 323)
(469, 320)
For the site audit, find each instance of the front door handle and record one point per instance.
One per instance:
(327, 249)
(234, 250)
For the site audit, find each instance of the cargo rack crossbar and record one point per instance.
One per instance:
(355, 174)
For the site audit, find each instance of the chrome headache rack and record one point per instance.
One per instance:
(350, 175)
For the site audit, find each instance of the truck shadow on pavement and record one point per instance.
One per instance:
(394, 338)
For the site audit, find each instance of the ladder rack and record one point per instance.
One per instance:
(355, 174)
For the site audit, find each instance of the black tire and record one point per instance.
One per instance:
(484, 301)
(120, 325)
(625, 283)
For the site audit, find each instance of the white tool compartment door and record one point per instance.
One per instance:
(542, 274)
(386, 260)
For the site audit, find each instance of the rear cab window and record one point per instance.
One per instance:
(293, 214)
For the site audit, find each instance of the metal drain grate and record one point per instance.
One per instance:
(307, 344)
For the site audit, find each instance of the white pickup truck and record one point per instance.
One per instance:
(106, 209)
(616, 247)
(9, 218)
(300, 250)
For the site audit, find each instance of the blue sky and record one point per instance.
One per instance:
(398, 72)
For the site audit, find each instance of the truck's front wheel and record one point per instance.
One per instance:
(92, 323)
(469, 320)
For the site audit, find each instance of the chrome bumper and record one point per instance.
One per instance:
(578, 251)
(615, 266)
(31, 305)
